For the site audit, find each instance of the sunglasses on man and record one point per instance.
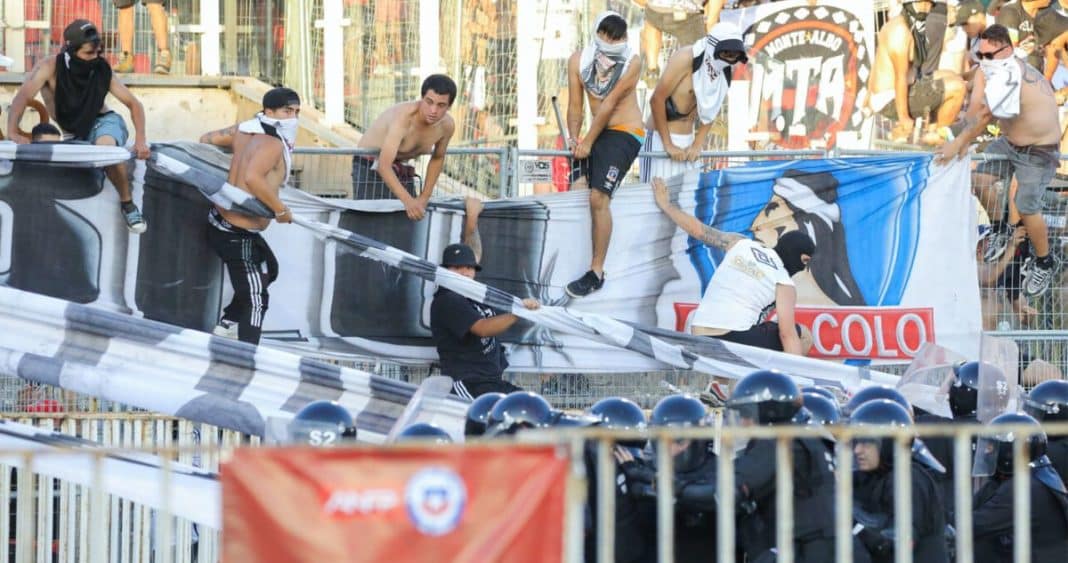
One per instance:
(990, 56)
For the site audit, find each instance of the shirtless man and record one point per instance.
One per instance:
(399, 134)
(904, 84)
(1027, 115)
(74, 85)
(606, 71)
(260, 166)
(691, 90)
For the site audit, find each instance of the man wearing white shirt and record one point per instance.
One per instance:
(749, 281)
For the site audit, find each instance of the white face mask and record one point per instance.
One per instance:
(996, 65)
(611, 49)
(286, 128)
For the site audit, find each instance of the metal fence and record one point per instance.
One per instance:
(51, 520)
(47, 519)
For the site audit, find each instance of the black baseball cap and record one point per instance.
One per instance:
(279, 98)
(966, 9)
(80, 32)
(459, 254)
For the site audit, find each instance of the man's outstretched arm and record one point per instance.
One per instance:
(693, 226)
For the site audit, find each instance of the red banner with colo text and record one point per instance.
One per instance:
(442, 504)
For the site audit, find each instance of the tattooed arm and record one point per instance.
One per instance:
(220, 137)
(669, 202)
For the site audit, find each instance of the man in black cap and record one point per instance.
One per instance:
(260, 166)
(465, 331)
(74, 85)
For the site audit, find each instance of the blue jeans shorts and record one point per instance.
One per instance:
(112, 125)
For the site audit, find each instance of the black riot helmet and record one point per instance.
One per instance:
(767, 397)
(821, 409)
(993, 452)
(682, 411)
(964, 393)
(1048, 401)
(881, 412)
(424, 431)
(322, 424)
(478, 413)
(519, 410)
(821, 391)
(875, 392)
(620, 414)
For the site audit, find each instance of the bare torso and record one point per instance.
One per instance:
(245, 145)
(894, 40)
(626, 113)
(418, 137)
(1038, 122)
(686, 103)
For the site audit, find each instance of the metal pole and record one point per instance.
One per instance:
(725, 486)
(962, 484)
(606, 502)
(1021, 494)
(268, 43)
(230, 36)
(209, 38)
(166, 522)
(784, 499)
(98, 544)
(843, 518)
(575, 499)
(333, 63)
(25, 526)
(902, 500)
(665, 500)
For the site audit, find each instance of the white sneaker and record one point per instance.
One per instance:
(226, 329)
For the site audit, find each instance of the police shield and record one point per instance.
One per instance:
(923, 455)
(1043, 470)
(998, 377)
(435, 386)
(926, 381)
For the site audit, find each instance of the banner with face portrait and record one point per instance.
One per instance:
(807, 74)
(894, 266)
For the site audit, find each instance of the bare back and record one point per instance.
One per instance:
(417, 137)
(894, 43)
(1038, 122)
(246, 146)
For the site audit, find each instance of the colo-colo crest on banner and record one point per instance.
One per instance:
(808, 69)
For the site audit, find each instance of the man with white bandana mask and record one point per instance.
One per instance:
(260, 166)
(1021, 100)
(691, 90)
(606, 71)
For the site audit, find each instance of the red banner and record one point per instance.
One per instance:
(475, 503)
(871, 333)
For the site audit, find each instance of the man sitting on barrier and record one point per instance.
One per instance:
(605, 73)
(750, 279)
(693, 88)
(403, 132)
(74, 85)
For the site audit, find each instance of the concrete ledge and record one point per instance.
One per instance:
(147, 80)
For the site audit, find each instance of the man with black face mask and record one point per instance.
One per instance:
(74, 85)
(749, 281)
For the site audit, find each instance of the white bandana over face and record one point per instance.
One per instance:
(601, 63)
(710, 84)
(1004, 79)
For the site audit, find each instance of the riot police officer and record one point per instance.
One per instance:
(478, 413)
(873, 491)
(694, 478)
(993, 509)
(426, 432)
(634, 516)
(1048, 402)
(769, 397)
(322, 424)
(519, 410)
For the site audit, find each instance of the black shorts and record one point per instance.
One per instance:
(368, 183)
(611, 156)
(764, 335)
(925, 96)
(473, 389)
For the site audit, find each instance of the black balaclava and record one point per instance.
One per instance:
(791, 246)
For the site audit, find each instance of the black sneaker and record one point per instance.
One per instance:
(1039, 275)
(587, 284)
(997, 242)
(135, 222)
